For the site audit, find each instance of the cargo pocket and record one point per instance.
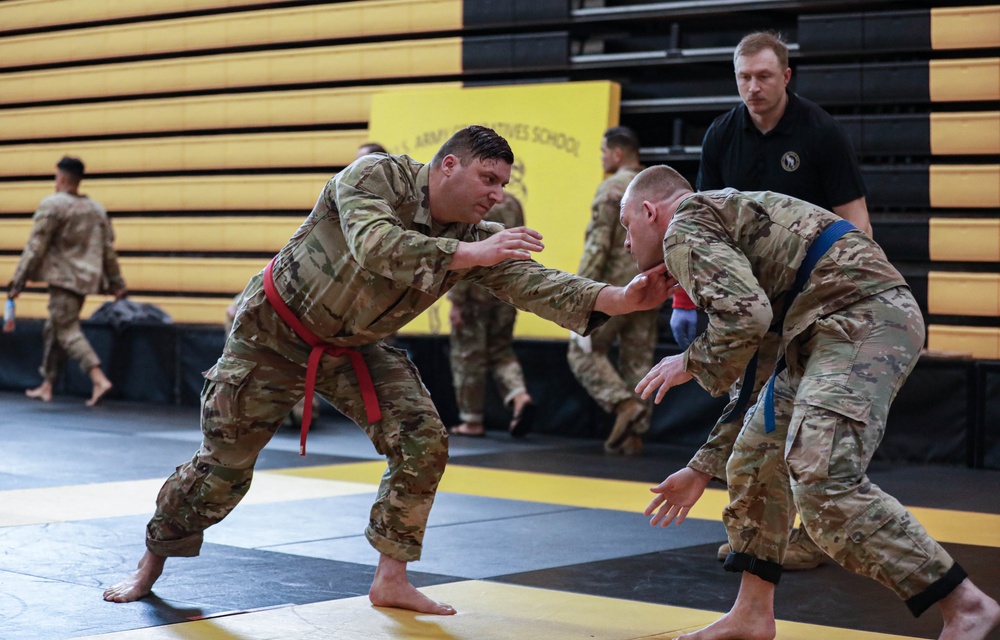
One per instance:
(221, 397)
(828, 435)
(886, 547)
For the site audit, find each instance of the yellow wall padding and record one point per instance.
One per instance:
(959, 80)
(418, 58)
(32, 14)
(199, 193)
(963, 294)
(981, 342)
(201, 234)
(965, 239)
(965, 185)
(244, 29)
(176, 275)
(971, 133)
(180, 309)
(965, 27)
(192, 113)
(190, 153)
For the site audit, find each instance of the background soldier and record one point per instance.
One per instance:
(482, 342)
(605, 259)
(386, 239)
(71, 248)
(848, 343)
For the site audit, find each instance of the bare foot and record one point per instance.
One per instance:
(471, 429)
(969, 614)
(42, 392)
(101, 386)
(391, 588)
(734, 627)
(140, 583)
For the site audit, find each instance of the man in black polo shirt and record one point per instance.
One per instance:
(777, 141)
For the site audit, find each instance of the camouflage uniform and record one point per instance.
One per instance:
(367, 260)
(850, 339)
(71, 248)
(485, 341)
(606, 259)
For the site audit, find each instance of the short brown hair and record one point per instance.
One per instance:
(758, 41)
(657, 184)
(475, 143)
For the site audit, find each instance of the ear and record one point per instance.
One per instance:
(449, 163)
(649, 210)
(787, 75)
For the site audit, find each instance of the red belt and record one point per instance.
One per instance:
(318, 349)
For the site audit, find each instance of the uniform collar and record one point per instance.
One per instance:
(423, 213)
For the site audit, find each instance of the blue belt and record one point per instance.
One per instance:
(817, 250)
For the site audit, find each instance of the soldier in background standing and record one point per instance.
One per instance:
(71, 248)
(606, 259)
(482, 342)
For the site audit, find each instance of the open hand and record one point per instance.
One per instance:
(667, 373)
(675, 496)
(510, 244)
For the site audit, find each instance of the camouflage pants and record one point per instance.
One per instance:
(484, 344)
(63, 336)
(830, 409)
(248, 393)
(635, 334)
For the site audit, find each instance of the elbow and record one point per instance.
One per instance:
(760, 321)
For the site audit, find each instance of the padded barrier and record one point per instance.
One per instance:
(245, 29)
(177, 275)
(904, 239)
(516, 53)
(980, 342)
(209, 235)
(962, 80)
(418, 58)
(964, 294)
(194, 113)
(262, 151)
(190, 310)
(294, 192)
(965, 240)
(960, 133)
(920, 30)
(920, 187)
(35, 14)
(512, 13)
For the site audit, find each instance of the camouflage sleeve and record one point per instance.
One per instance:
(459, 294)
(365, 195)
(112, 271)
(712, 456)
(600, 233)
(719, 280)
(46, 221)
(561, 297)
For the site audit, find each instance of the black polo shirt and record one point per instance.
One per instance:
(807, 155)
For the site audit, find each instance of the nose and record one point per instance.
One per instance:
(497, 195)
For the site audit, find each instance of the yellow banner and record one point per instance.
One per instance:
(555, 131)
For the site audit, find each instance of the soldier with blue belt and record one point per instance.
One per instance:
(849, 332)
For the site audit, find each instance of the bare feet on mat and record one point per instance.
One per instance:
(469, 429)
(391, 588)
(730, 627)
(42, 392)
(101, 386)
(140, 583)
(969, 614)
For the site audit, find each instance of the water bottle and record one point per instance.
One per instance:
(8, 316)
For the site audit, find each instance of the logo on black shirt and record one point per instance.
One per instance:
(790, 161)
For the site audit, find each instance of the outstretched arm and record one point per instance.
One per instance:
(675, 496)
(648, 290)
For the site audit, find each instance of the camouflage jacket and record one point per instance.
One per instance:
(369, 258)
(510, 214)
(71, 246)
(604, 255)
(736, 254)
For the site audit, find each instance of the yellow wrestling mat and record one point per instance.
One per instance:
(962, 527)
(136, 497)
(487, 611)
